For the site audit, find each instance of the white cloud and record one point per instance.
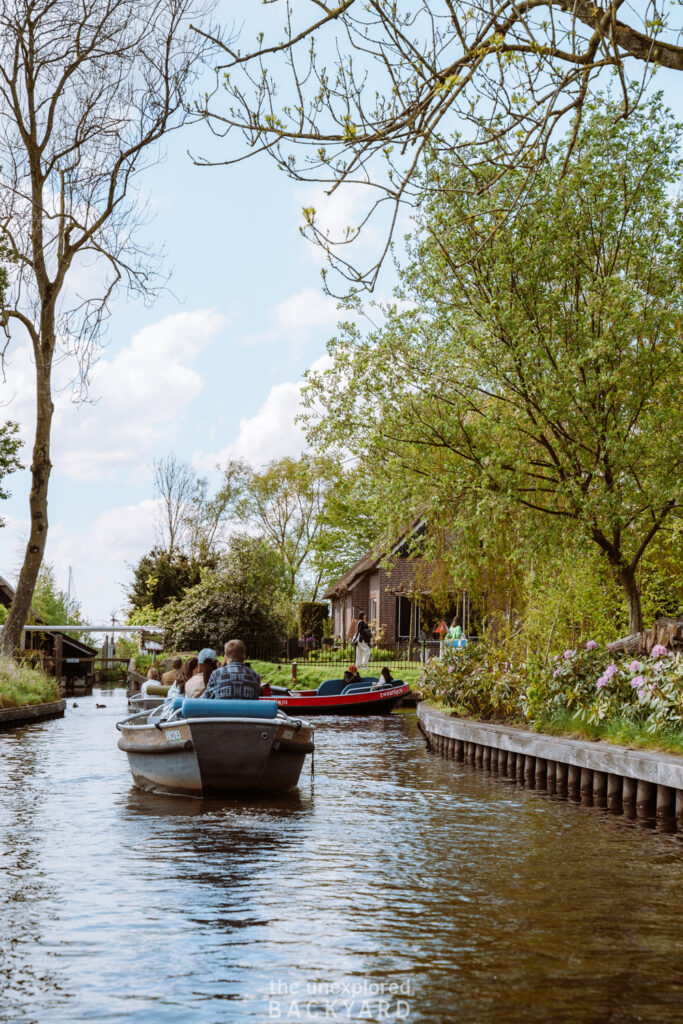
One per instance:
(296, 318)
(272, 432)
(137, 396)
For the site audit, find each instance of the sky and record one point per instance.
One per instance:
(212, 370)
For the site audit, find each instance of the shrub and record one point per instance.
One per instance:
(20, 684)
(312, 618)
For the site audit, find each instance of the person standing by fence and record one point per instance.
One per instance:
(362, 641)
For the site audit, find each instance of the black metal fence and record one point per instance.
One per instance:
(306, 652)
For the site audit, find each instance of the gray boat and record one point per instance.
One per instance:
(210, 748)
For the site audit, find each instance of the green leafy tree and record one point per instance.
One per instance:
(285, 504)
(159, 577)
(245, 597)
(54, 606)
(539, 363)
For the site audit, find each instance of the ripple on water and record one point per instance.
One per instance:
(489, 904)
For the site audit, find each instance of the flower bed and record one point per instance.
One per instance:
(591, 690)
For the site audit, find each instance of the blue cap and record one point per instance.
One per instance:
(206, 654)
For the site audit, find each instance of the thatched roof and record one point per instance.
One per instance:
(369, 562)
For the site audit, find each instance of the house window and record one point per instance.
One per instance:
(403, 619)
(373, 611)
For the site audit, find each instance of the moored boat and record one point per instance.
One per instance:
(210, 748)
(336, 697)
(154, 697)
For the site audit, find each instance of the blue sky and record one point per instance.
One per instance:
(212, 370)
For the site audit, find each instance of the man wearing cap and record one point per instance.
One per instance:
(234, 680)
(206, 663)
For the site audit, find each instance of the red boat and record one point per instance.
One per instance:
(336, 697)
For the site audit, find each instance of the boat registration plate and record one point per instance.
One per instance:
(172, 734)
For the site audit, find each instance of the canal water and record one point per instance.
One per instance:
(392, 886)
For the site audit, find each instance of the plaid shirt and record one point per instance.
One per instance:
(233, 681)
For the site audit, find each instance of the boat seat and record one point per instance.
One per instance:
(366, 684)
(198, 707)
(333, 687)
(156, 690)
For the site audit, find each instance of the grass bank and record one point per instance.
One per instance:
(309, 677)
(20, 685)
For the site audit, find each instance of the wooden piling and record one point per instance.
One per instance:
(519, 769)
(614, 787)
(486, 760)
(541, 773)
(529, 771)
(599, 789)
(646, 794)
(550, 776)
(574, 783)
(479, 756)
(665, 806)
(628, 797)
(586, 785)
(561, 780)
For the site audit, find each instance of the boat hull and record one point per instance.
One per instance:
(373, 702)
(144, 702)
(215, 757)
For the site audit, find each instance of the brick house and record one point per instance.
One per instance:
(392, 597)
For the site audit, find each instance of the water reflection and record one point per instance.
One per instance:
(485, 902)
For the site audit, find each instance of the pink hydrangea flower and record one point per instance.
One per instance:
(601, 682)
(556, 658)
(451, 668)
(610, 671)
(443, 691)
(641, 693)
(569, 654)
(634, 666)
(637, 681)
(591, 645)
(556, 673)
(611, 646)
(659, 651)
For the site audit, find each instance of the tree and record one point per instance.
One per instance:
(174, 487)
(541, 364)
(285, 503)
(87, 94)
(53, 606)
(10, 445)
(358, 91)
(190, 519)
(244, 598)
(159, 577)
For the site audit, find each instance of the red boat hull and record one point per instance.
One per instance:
(371, 702)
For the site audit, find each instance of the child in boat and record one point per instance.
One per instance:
(152, 677)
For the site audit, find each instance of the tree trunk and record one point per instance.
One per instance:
(627, 578)
(40, 476)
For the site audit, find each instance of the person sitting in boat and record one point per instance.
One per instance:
(184, 675)
(234, 680)
(207, 663)
(352, 675)
(169, 678)
(152, 677)
(385, 679)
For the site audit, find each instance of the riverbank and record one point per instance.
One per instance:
(639, 783)
(22, 686)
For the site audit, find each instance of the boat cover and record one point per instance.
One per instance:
(198, 707)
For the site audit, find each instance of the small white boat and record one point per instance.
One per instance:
(147, 701)
(210, 748)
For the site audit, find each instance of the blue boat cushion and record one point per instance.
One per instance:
(333, 687)
(197, 707)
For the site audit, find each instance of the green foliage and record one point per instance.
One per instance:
(20, 684)
(160, 577)
(582, 689)
(540, 354)
(243, 598)
(10, 444)
(52, 605)
(312, 618)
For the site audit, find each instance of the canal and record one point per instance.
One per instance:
(402, 885)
